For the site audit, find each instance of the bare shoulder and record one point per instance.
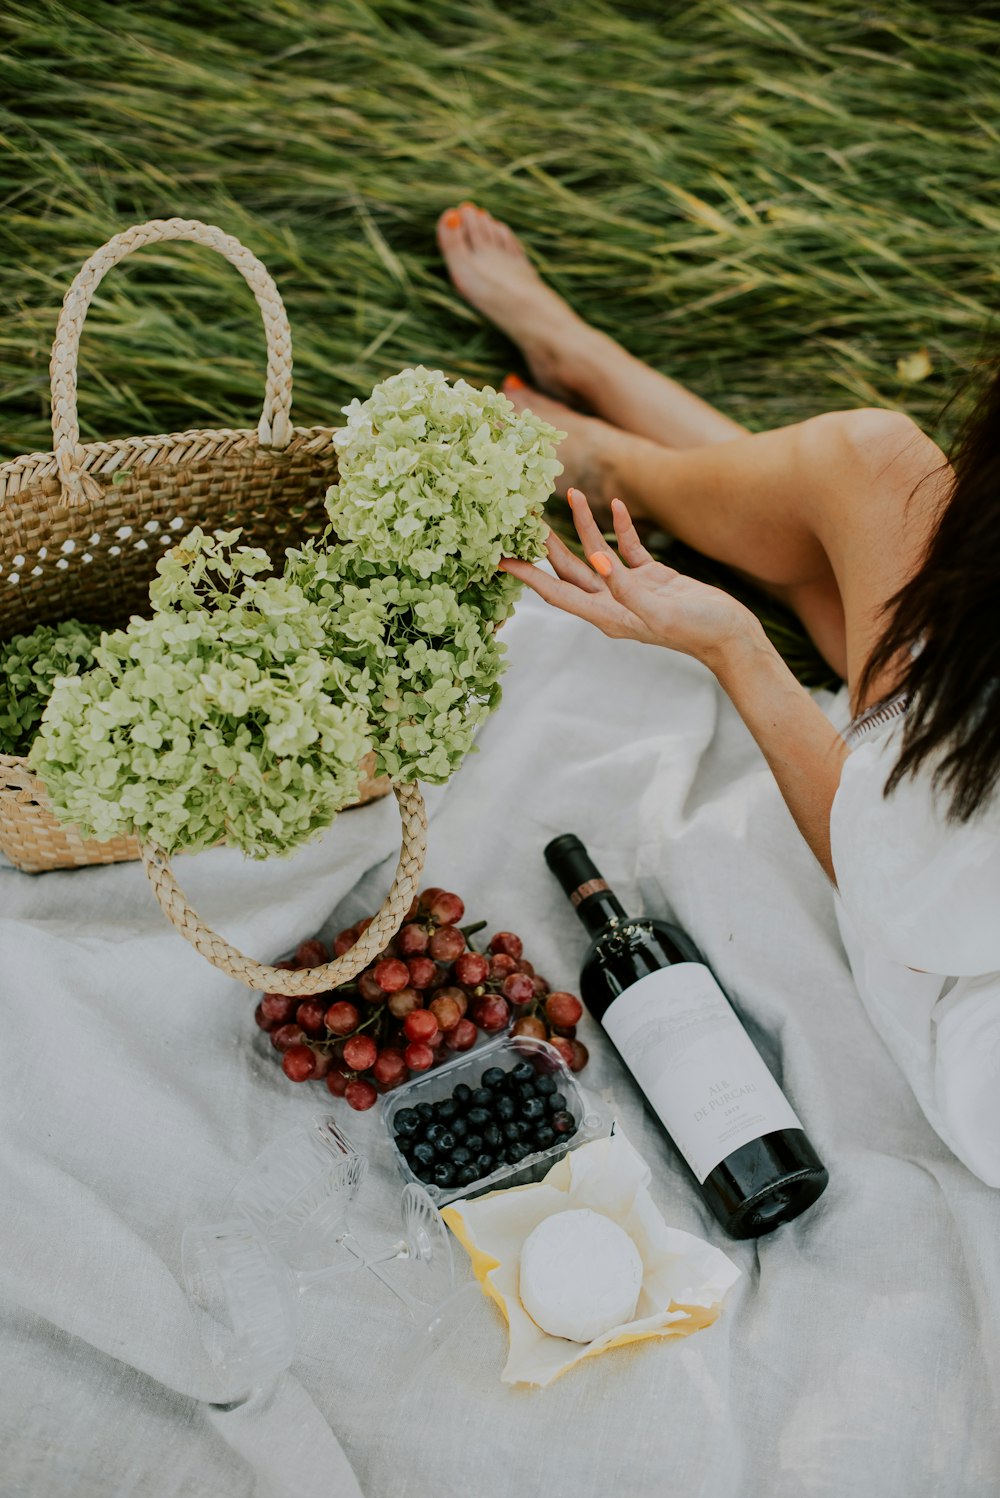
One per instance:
(890, 450)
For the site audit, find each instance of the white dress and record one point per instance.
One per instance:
(918, 905)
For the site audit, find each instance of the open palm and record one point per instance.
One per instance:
(630, 595)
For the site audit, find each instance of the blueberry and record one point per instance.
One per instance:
(444, 1175)
(545, 1086)
(424, 1173)
(424, 1153)
(494, 1077)
(556, 1102)
(545, 1137)
(483, 1097)
(505, 1108)
(407, 1121)
(474, 1143)
(513, 1130)
(446, 1143)
(517, 1152)
(459, 1127)
(447, 1110)
(461, 1156)
(425, 1111)
(485, 1165)
(477, 1118)
(467, 1175)
(523, 1072)
(532, 1108)
(563, 1122)
(492, 1136)
(462, 1094)
(434, 1132)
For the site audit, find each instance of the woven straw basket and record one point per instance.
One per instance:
(81, 529)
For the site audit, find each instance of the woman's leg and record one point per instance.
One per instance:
(566, 356)
(769, 540)
(834, 561)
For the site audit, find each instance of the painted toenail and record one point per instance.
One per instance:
(514, 382)
(452, 219)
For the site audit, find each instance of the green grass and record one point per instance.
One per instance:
(775, 202)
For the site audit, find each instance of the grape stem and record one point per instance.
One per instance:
(329, 1042)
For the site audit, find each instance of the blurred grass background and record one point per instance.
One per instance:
(788, 206)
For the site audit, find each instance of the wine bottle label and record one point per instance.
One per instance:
(696, 1064)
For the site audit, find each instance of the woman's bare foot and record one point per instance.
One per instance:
(590, 453)
(568, 358)
(489, 267)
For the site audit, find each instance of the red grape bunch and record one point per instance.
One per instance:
(427, 995)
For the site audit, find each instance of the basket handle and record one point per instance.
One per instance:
(259, 975)
(274, 428)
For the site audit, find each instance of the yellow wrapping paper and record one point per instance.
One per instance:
(684, 1278)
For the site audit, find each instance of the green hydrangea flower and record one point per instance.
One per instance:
(423, 655)
(441, 479)
(225, 715)
(30, 664)
(242, 708)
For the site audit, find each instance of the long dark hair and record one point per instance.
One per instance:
(952, 606)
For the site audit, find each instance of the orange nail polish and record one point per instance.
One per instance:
(452, 219)
(571, 496)
(601, 562)
(513, 382)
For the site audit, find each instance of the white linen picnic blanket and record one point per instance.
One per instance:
(859, 1351)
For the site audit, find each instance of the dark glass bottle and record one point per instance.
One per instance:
(703, 1078)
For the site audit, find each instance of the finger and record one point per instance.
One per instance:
(629, 544)
(563, 595)
(569, 566)
(586, 526)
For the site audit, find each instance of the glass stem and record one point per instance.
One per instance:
(308, 1278)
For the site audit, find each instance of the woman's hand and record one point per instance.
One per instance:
(631, 596)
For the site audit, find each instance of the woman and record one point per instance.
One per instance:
(889, 556)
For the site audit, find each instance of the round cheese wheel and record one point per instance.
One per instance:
(580, 1275)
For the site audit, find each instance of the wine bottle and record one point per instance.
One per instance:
(703, 1078)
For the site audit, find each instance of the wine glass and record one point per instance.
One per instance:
(286, 1232)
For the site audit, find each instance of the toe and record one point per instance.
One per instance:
(527, 398)
(516, 390)
(509, 241)
(493, 229)
(451, 231)
(476, 225)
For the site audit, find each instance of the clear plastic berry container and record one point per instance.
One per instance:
(507, 1051)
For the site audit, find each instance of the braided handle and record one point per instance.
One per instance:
(274, 428)
(305, 980)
